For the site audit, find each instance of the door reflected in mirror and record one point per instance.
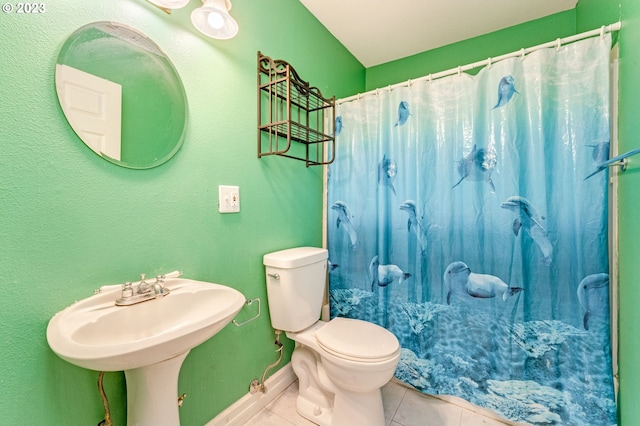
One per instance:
(121, 95)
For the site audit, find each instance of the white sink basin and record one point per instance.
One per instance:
(95, 334)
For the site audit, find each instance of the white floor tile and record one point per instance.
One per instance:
(268, 418)
(285, 407)
(470, 418)
(417, 409)
(392, 394)
(402, 407)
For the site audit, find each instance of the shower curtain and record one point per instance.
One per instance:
(469, 217)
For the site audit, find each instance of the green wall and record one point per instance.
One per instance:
(628, 12)
(71, 221)
(473, 50)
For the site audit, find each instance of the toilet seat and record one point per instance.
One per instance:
(357, 340)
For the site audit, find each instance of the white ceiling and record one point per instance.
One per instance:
(379, 31)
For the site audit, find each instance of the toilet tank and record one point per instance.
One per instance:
(295, 286)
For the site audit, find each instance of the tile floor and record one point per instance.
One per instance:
(402, 407)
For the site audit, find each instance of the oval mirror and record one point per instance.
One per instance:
(121, 95)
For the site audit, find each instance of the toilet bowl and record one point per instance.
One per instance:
(341, 364)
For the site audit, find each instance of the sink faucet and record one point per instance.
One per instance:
(144, 290)
(153, 290)
(143, 287)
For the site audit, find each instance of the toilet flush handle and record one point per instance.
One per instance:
(275, 276)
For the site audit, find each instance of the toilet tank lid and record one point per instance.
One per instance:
(295, 257)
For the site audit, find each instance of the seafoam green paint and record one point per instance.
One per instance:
(592, 14)
(71, 221)
(473, 50)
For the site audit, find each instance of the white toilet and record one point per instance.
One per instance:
(341, 364)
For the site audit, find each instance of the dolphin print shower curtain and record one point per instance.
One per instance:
(467, 215)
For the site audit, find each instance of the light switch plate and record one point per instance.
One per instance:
(228, 199)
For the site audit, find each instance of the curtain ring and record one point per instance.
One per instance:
(389, 88)
(409, 82)
(522, 54)
(602, 31)
(558, 44)
(489, 62)
(429, 78)
(459, 70)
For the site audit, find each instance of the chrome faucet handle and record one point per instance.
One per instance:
(127, 290)
(158, 287)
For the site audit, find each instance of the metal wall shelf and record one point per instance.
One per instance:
(290, 110)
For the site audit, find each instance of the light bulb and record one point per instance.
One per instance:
(216, 20)
(213, 19)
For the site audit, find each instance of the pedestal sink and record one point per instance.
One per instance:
(148, 340)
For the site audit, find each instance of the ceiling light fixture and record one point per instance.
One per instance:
(213, 19)
(167, 5)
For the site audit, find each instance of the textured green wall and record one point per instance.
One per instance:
(590, 14)
(71, 222)
(473, 50)
(629, 203)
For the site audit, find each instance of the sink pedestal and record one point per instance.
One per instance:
(152, 393)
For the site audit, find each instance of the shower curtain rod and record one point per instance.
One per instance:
(487, 62)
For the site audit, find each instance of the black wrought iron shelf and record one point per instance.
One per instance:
(290, 110)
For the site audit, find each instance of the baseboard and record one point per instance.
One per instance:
(249, 405)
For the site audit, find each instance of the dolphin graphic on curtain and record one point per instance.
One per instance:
(466, 227)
